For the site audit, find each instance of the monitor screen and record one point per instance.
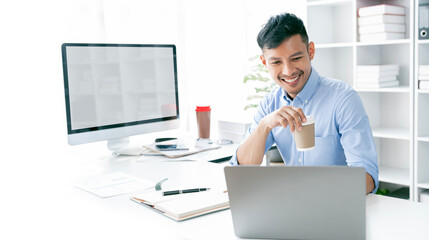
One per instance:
(113, 91)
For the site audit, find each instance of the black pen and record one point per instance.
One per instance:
(173, 192)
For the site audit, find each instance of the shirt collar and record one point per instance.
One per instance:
(308, 90)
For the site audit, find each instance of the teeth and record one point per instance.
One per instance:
(292, 80)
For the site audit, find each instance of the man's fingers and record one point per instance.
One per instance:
(291, 116)
(294, 117)
(288, 118)
(301, 114)
(283, 121)
(291, 123)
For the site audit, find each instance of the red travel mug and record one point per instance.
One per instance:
(203, 121)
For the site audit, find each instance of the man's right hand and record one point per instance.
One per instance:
(252, 150)
(285, 116)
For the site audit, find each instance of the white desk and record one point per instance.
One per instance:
(57, 210)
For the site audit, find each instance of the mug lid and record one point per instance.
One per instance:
(203, 108)
(310, 120)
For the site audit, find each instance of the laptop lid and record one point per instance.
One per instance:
(285, 202)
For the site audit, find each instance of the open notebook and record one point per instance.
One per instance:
(185, 206)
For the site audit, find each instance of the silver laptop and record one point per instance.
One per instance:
(283, 202)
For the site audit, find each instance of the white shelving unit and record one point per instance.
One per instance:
(421, 114)
(332, 26)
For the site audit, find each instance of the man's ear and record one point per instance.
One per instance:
(311, 50)
(263, 60)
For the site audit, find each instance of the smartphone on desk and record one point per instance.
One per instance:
(166, 146)
(172, 146)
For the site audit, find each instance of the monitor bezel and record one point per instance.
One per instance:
(71, 131)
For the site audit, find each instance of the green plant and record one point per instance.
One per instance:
(260, 80)
(382, 191)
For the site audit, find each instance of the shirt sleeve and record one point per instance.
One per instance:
(356, 135)
(261, 112)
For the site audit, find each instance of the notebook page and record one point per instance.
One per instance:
(191, 204)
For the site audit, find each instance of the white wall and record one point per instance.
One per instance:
(218, 39)
(214, 40)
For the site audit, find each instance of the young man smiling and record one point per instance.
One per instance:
(343, 134)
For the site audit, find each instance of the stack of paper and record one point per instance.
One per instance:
(381, 22)
(234, 130)
(424, 77)
(113, 184)
(377, 76)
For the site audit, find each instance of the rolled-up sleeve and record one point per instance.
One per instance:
(234, 161)
(356, 136)
(261, 112)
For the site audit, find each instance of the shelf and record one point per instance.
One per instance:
(423, 138)
(335, 25)
(333, 45)
(392, 133)
(402, 89)
(327, 2)
(388, 42)
(425, 41)
(394, 175)
(424, 184)
(423, 90)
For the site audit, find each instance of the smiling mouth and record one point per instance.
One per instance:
(292, 81)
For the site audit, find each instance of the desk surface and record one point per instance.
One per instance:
(58, 210)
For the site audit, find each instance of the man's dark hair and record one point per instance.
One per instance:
(280, 27)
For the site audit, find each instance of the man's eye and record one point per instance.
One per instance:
(296, 59)
(275, 63)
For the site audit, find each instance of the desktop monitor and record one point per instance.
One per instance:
(113, 91)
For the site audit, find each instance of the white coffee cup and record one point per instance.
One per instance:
(304, 138)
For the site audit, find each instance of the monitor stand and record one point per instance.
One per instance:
(121, 146)
(117, 143)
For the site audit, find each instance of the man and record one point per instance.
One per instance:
(343, 134)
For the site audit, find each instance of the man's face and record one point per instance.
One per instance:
(289, 64)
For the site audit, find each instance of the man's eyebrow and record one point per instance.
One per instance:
(296, 54)
(291, 56)
(273, 58)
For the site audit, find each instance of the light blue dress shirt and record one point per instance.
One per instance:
(343, 134)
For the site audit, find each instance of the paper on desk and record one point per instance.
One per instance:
(192, 145)
(113, 184)
(222, 152)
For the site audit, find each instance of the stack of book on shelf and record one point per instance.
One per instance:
(377, 76)
(381, 22)
(424, 77)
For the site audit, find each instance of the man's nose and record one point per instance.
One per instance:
(288, 69)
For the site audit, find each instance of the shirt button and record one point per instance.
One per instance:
(300, 160)
(306, 101)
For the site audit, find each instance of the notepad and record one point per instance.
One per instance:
(185, 206)
(192, 147)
